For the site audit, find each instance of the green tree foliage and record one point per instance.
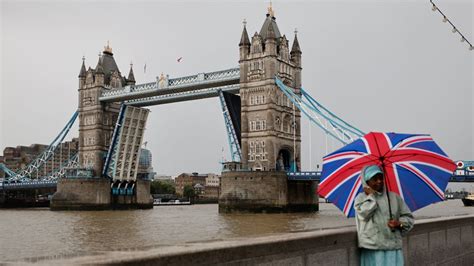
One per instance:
(188, 192)
(162, 187)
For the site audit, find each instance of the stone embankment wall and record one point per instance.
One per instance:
(441, 241)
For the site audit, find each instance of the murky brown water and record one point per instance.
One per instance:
(27, 233)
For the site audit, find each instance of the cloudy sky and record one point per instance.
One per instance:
(380, 65)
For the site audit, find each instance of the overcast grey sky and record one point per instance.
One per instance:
(380, 65)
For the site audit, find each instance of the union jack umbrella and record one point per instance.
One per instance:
(415, 168)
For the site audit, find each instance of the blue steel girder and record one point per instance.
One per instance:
(26, 172)
(110, 159)
(182, 84)
(6, 170)
(234, 146)
(28, 185)
(183, 96)
(304, 176)
(73, 161)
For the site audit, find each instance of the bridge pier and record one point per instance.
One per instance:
(96, 194)
(82, 194)
(265, 191)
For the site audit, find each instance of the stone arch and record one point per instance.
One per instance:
(284, 159)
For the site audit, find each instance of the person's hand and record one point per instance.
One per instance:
(368, 190)
(394, 224)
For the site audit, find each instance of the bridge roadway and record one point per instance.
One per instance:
(28, 185)
(199, 86)
(32, 184)
(311, 175)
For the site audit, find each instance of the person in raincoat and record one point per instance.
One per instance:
(379, 232)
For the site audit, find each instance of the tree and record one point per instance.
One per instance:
(188, 192)
(162, 187)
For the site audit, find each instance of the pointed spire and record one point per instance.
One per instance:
(244, 40)
(270, 32)
(99, 69)
(270, 28)
(131, 77)
(82, 74)
(296, 46)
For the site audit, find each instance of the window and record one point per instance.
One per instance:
(253, 125)
(258, 125)
(257, 150)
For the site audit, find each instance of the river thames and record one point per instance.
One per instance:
(39, 232)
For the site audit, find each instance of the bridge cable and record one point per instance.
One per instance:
(321, 116)
(40, 160)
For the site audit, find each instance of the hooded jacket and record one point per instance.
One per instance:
(372, 216)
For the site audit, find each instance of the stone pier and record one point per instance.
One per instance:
(265, 191)
(96, 194)
(82, 194)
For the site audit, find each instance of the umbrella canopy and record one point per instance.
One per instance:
(415, 168)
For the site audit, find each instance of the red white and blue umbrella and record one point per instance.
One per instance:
(415, 168)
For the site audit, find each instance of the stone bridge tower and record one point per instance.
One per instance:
(271, 126)
(96, 125)
(96, 119)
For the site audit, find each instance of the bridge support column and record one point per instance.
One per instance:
(82, 194)
(265, 191)
(96, 194)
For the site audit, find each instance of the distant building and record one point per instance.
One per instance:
(212, 180)
(211, 190)
(145, 168)
(205, 185)
(17, 158)
(189, 179)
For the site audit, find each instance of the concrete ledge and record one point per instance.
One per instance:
(325, 247)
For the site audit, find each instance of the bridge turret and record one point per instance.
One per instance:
(296, 60)
(244, 44)
(99, 73)
(131, 76)
(82, 74)
(270, 40)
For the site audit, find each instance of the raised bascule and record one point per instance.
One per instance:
(262, 102)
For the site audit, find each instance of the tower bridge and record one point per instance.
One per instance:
(262, 102)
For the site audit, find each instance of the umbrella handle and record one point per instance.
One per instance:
(388, 197)
(386, 189)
